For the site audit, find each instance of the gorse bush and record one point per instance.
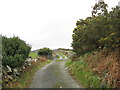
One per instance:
(14, 51)
(98, 31)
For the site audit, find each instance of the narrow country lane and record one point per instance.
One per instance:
(54, 75)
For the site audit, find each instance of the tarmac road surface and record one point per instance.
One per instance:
(54, 75)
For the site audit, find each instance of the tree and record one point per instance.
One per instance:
(45, 52)
(100, 8)
(98, 31)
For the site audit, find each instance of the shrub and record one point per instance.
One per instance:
(14, 51)
(45, 52)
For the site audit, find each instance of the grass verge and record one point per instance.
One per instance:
(33, 54)
(26, 78)
(59, 60)
(61, 55)
(83, 74)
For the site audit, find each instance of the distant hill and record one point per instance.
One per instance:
(35, 50)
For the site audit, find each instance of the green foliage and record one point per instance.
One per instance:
(98, 31)
(45, 52)
(14, 51)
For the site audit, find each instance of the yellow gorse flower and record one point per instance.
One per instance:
(112, 34)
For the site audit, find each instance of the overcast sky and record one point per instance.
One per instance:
(44, 23)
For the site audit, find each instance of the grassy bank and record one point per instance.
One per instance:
(97, 69)
(25, 79)
(33, 54)
(83, 74)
